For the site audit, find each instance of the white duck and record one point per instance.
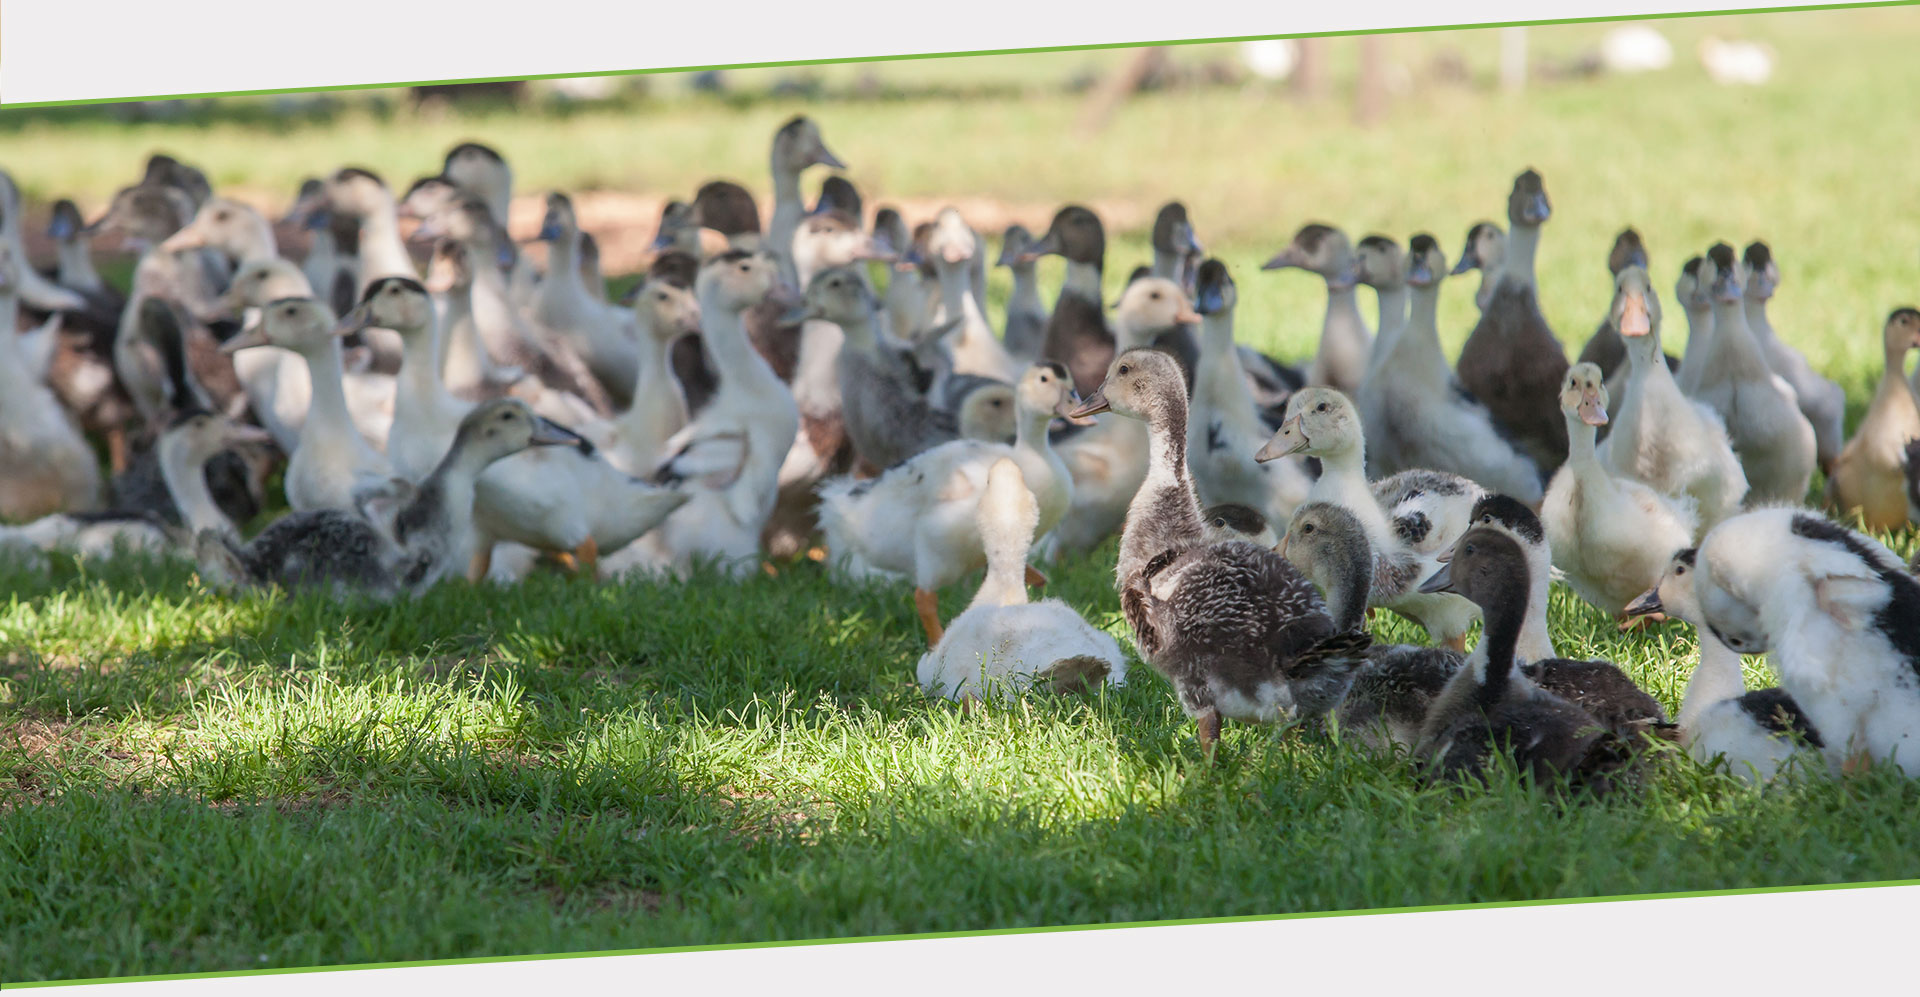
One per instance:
(636, 439)
(974, 348)
(1414, 410)
(1660, 437)
(1612, 536)
(796, 146)
(1840, 616)
(1757, 734)
(1002, 644)
(1774, 441)
(1696, 301)
(1346, 345)
(330, 460)
(49, 466)
(1224, 427)
(562, 304)
(918, 519)
(1411, 519)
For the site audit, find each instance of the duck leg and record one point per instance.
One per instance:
(1630, 624)
(117, 450)
(481, 564)
(1457, 642)
(1207, 729)
(1857, 763)
(1035, 578)
(928, 605)
(587, 557)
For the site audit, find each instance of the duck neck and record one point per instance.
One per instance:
(463, 359)
(1732, 339)
(1006, 580)
(75, 262)
(1535, 641)
(659, 403)
(1216, 336)
(1167, 265)
(1716, 679)
(1392, 325)
(1166, 498)
(1755, 310)
(1494, 656)
(956, 298)
(421, 362)
(1026, 290)
(1895, 375)
(1083, 280)
(789, 208)
(1517, 265)
(1347, 590)
(1581, 440)
(737, 361)
(382, 252)
(1419, 340)
(186, 479)
(327, 413)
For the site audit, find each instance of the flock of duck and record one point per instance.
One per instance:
(445, 408)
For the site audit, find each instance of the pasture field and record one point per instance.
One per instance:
(191, 782)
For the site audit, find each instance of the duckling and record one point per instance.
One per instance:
(1486, 245)
(635, 440)
(1507, 515)
(601, 335)
(332, 262)
(1871, 473)
(1224, 427)
(1346, 345)
(1774, 441)
(1409, 517)
(1660, 437)
(1384, 701)
(50, 468)
(1490, 704)
(1823, 402)
(888, 417)
(1233, 521)
(1696, 299)
(331, 460)
(1415, 413)
(1077, 334)
(1228, 623)
(796, 146)
(466, 366)
(396, 538)
(1025, 327)
(918, 518)
(1758, 733)
(1611, 536)
(1511, 361)
(730, 453)
(1839, 614)
(1110, 460)
(1379, 264)
(1002, 644)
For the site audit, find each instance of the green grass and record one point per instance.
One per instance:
(190, 782)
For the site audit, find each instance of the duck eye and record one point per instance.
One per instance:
(1155, 295)
(1468, 549)
(1123, 368)
(1308, 528)
(1219, 524)
(1322, 407)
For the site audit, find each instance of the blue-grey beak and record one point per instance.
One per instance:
(1637, 258)
(1210, 299)
(1469, 260)
(1419, 273)
(1441, 581)
(61, 228)
(549, 231)
(1538, 210)
(547, 433)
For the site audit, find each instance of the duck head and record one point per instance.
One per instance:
(429, 196)
(990, 413)
(837, 193)
(1213, 290)
(797, 145)
(480, 170)
(1321, 249)
(1485, 245)
(1013, 244)
(145, 215)
(1148, 308)
(1380, 264)
(837, 294)
(195, 437)
(1636, 309)
(1425, 264)
(1688, 289)
(1902, 333)
(1583, 395)
(447, 269)
(398, 303)
(1510, 516)
(727, 208)
(1075, 233)
(222, 224)
(1233, 521)
(257, 282)
(465, 219)
(665, 310)
(1627, 251)
(559, 222)
(1763, 273)
(1724, 274)
(505, 426)
(677, 229)
(1528, 204)
(164, 170)
(1328, 544)
(299, 324)
(1173, 237)
(737, 280)
(1045, 391)
(1673, 594)
(309, 209)
(951, 242)
(1486, 567)
(1319, 421)
(1142, 383)
(354, 192)
(1008, 513)
(66, 222)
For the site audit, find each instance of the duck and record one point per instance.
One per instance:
(635, 440)
(1605, 349)
(1660, 437)
(357, 195)
(1380, 264)
(1483, 250)
(729, 454)
(905, 301)
(1823, 402)
(1077, 334)
(1346, 344)
(1385, 700)
(1870, 474)
(1840, 618)
(395, 538)
(918, 519)
(1109, 460)
(1696, 301)
(568, 502)
(1177, 254)
(1512, 361)
(1003, 644)
(1756, 734)
(1508, 515)
(1490, 705)
(79, 367)
(972, 347)
(1410, 518)
(482, 171)
(1024, 327)
(1224, 424)
(601, 335)
(1225, 623)
(30, 287)
(1415, 412)
(1611, 535)
(888, 416)
(1773, 439)
(74, 270)
(332, 260)
(466, 365)
(50, 467)
(330, 460)
(797, 145)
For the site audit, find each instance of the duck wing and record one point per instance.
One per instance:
(713, 459)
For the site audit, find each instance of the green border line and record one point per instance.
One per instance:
(846, 60)
(984, 932)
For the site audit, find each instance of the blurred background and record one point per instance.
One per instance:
(1791, 127)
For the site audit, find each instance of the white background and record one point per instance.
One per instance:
(1778, 943)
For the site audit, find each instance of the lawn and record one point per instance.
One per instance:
(191, 782)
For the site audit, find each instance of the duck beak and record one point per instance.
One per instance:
(547, 433)
(1419, 274)
(183, 240)
(251, 336)
(1646, 605)
(1592, 410)
(243, 434)
(61, 228)
(1762, 286)
(357, 320)
(1049, 245)
(1210, 299)
(549, 230)
(1285, 443)
(1187, 242)
(1065, 409)
(1186, 315)
(1095, 404)
(1286, 258)
(825, 158)
(1634, 320)
(1009, 256)
(1439, 581)
(1726, 287)
(1469, 260)
(798, 313)
(1637, 258)
(784, 295)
